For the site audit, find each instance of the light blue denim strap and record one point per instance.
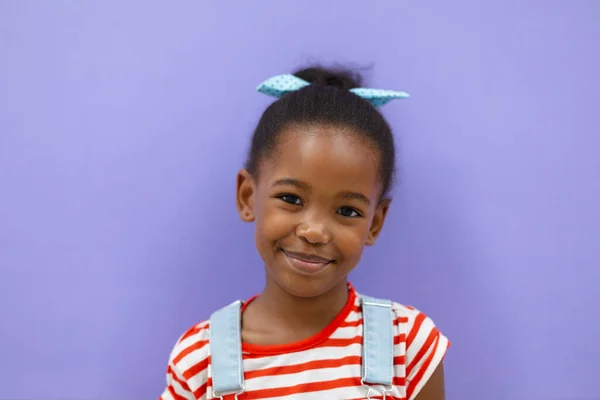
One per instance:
(226, 350)
(378, 341)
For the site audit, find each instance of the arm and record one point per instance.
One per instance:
(177, 388)
(187, 371)
(434, 388)
(425, 351)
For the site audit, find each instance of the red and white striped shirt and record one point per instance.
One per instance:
(325, 366)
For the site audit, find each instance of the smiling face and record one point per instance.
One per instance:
(316, 205)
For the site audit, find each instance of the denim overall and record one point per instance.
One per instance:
(377, 358)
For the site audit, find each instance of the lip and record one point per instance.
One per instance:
(306, 263)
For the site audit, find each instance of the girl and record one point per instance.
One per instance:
(316, 185)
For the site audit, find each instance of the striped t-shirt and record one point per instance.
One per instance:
(325, 366)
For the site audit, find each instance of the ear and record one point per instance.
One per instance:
(245, 191)
(378, 219)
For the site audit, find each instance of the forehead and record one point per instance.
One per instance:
(326, 157)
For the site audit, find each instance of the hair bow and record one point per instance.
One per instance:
(279, 85)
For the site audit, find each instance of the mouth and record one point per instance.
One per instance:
(306, 263)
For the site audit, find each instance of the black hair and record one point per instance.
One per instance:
(326, 101)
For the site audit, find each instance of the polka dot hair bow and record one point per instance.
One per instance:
(279, 85)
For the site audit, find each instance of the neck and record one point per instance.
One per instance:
(302, 313)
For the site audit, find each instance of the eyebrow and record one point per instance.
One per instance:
(357, 196)
(291, 182)
(303, 185)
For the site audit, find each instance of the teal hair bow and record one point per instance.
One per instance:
(279, 85)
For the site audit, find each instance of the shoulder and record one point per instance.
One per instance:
(418, 326)
(193, 342)
(421, 345)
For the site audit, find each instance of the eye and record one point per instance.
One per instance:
(348, 212)
(291, 199)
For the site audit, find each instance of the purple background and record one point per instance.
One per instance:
(122, 127)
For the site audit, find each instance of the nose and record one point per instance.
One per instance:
(314, 231)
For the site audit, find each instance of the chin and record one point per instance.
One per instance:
(303, 286)
(305, 293)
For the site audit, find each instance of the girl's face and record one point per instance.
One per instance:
(316, 205)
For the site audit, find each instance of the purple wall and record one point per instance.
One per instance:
(122, 127)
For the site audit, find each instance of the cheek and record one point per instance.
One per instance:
(272, 223)
(351, 240)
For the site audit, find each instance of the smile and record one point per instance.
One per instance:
(306, 263)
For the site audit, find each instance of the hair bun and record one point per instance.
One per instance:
(344, 79)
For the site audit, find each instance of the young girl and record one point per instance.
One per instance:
(316, 185)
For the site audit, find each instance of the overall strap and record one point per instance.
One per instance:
(226, 350)
(378, 341)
